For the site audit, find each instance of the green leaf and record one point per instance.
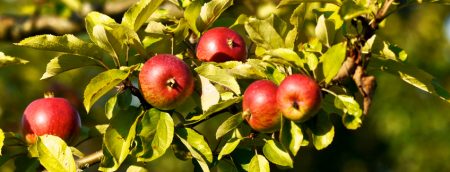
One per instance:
(291, 136)
(210, 11)
(210, 96)
(263, 34)
(66, 44)
(95, 23)
(213, 109)
(219, 76)
(2, 139)
(332, 60)
(259, 164)
(101, 84)
(197, 145)
(225, 165)
(411, 75)
(110, 105)
(230, 124)
(191, 15)
(325, 30)
(322, 131)
(352, 112)
(350, 9)
(54, 154)
(136, 168)
(229, 147)
(311, 60)
(66, 62)
(8, 60)
(297, 20)
(276, 153)
(139, 13)
(156, 134)
(118, 137)
(251, 69)
(288, 55)
(296, 2)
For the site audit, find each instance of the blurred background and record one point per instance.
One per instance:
(406, 130)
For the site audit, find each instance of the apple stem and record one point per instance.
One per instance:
(49, 94)
(230, 42)
(295, 105)
(171, 83)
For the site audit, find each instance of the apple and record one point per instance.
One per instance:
(50, 116)
(221, 44)
(260, 106)
(165, 81)
(299, 97)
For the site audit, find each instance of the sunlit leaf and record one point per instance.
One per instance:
(54, 154)
(291, 136)
(192, 13)
(228, 125)
(156, 134)
(332, 60)
(325, 30)
(66, 43)
(219, 76)
(263, 34)
(259, 164)
(139, 13)
(288, 55)
(2, 139)
(229, 147)
(322, 131)
(350, 9)
(210, 96)
(101, 84)
(276, 153)
(197, 145)
(66, 62)
(210, 11)
(352, 111)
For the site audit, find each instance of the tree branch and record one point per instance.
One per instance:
(89, 160)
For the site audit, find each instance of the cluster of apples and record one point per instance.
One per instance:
(297, 98)
(166, 81)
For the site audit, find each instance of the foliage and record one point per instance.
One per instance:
(342, 49)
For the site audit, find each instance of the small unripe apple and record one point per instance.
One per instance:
(221, 44)
(166, 81)
(50, 116)
(260, 106)
(299, 97)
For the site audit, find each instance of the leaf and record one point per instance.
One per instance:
(95, 22)
(259, 164)
(230, 124)
(2, 139)
(350, 9)
(136, 168)
(296, 2)
(197, 145)
(8, 60)
(67, 44)
(229, 147)
(210, 96)
(251, 69)
(291, 136)
(322, 131)
(263, 34)
(191, 15)
(411, 75)
(225, 165)
(297, 20)
(352, 112)
(139, 13)
(54, 154)
(325, 30)
(213, 109)
(332, 60)
(66, 62)
(156, 134)
(219, 76)
(210, 11)
(277, 154)
(101, 84)
(288, 55)
(118, 137)
(110, 106)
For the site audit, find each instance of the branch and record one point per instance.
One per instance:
(89, 160)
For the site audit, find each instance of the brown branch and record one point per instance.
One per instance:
(89, 160)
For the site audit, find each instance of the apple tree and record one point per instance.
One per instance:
(276, 70)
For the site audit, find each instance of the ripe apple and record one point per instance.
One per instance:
(260, 106)
(52, 116)
(166, 81)
(221, 44)
(299, 97)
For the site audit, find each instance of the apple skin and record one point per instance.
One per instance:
(221, 44)
(260, 106)
(299, 97)
(166, 81)
(50, 116)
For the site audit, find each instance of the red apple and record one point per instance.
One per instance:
(221, 44)
(260, 106)
(166, 81)
(52, 116)
(299, 97)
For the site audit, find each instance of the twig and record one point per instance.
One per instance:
(89, 160)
